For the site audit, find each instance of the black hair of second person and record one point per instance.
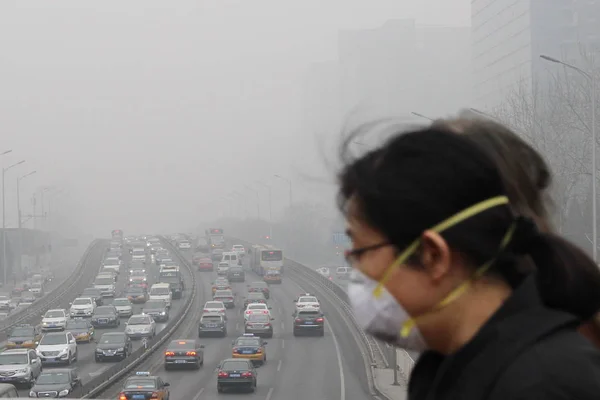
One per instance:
(419, 178)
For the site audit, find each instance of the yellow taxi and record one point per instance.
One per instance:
(144, 386)
(251, 348)
(24, 336)
(81, 329)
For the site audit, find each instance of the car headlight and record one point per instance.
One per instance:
(121, 349)
(163, 313)
(32, 394)
(22, 371)
(63, 351)
(63, 393)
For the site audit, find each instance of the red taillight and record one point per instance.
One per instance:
(268, 324)
(265, 312)
(122, 396)
(169, 353)
(205, 310)
(235, 350)
(298, 320)
(222, 310)
(248, 312)
(230, 298)
(259, 351)
(246, 374)
(154, 395)
(319, 320)
(223, 374)
(190, 353)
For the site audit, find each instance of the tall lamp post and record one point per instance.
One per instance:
(4, 170)
(268, 187)
(19, 196)
(416, 114)
(592, 81)
(289, 182)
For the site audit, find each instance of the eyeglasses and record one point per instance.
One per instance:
(353, 256)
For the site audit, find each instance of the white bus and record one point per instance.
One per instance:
(267, 261)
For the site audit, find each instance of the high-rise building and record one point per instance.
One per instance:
(508, 37)
(402, 67)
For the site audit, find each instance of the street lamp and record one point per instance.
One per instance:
(483, 113)
(4, 170)
(19, 195)
(421, 116)
(257, 200)
(592, 81)
(270, 207)
(289, 183)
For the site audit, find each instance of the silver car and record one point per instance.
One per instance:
(123, 306)
(140, 326)
(19, 366)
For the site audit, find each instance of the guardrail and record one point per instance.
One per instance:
(117, 372)
(405, 364)
(51, 299)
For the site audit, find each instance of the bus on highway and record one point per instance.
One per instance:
(215, 238)
(267, 261)
(117, 234)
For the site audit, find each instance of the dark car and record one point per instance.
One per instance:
(254, 297)
(236, 274)
(236, 373)
(157, 309)
(144, 386)
(113, 346)
(226, 296)
(175, 281)
(53, 381)
(261, 287)
(136, 294)
(106, 316)
(94, 293)
(212, 324)
(259, 325)
(309, 322)
(184, 353)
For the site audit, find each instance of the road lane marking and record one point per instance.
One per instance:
(279, 365)
(337, 353)
(269, 394)
(98, 372)
(282, 344)
(196, 397)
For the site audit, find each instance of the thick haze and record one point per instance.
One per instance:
(146, 110)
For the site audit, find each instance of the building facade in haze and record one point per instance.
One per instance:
(509, 36)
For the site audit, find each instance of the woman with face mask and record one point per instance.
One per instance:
(438, 254)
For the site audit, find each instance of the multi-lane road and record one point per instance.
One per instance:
(329, 367)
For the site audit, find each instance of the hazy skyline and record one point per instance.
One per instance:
(146, 110)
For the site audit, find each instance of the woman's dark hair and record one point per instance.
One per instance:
(420, 178)
(524, 171)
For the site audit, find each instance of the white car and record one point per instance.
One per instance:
(82, 307)
(257, 308)
(140, 325)
(123, 306)
(5, 302)
(161, 291)
(55, 320)
(169, 268)
(306, 301)
(57, 347)
(106, 286)
(239, 249)
(215, 307)
(324, 271)
(113, 264)
(37, 289)
(184, 245)
(231, 258)
(223, 268)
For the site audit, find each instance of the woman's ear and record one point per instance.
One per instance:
(435, 255)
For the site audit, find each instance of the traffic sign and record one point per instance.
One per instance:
(340, 238)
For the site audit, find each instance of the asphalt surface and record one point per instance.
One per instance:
(86, 366)
(328, 367)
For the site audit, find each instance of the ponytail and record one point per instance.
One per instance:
(568, 279)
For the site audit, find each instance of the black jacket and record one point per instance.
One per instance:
(525, 351)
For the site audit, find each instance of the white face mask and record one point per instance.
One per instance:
(381, 317)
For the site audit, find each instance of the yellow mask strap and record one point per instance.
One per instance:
(409, 324)
(442, 226)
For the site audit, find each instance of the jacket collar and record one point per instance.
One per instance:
(520, 322)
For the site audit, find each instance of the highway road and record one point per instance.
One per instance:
(86, 366)
(329, 367)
